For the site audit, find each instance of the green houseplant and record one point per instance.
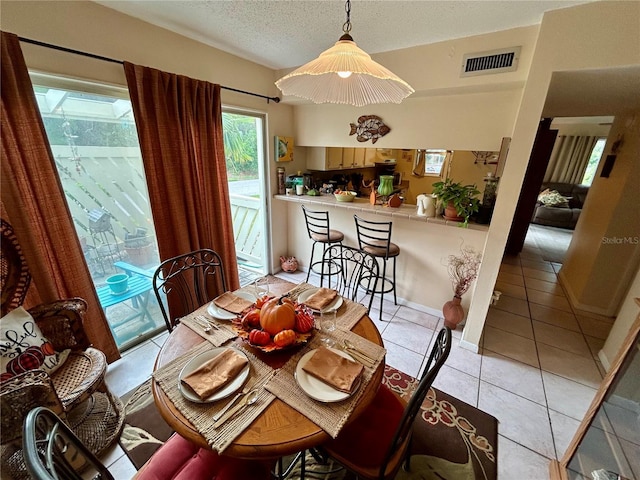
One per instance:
(459, 200)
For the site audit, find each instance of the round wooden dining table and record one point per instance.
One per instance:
(279, 430)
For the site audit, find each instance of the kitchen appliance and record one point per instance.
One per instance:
(426, 205)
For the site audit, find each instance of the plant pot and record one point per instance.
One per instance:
(453, 313)
(140, 256)
(119, 283)
(450, 213)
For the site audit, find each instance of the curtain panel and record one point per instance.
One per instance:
(33, 202)
(179, 122)
(569, 159)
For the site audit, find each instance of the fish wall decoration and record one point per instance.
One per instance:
(369, 127)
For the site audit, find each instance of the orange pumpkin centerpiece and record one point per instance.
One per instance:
(278, 314)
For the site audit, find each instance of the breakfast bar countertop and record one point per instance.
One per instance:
(362, 204)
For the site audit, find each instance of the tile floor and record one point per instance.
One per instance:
(537, 371)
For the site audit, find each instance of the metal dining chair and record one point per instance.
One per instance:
(375, 444)
(53, 452)
(187, 282)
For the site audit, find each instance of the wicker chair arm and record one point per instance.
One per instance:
(61, 322)
(19, 395)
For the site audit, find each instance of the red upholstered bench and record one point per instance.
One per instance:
(179, 459)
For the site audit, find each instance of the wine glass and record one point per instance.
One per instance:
(261, 287)
(328, 325)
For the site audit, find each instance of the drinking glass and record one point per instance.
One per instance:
(327, 325)
(261, 287)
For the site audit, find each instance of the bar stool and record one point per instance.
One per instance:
(320, 231)
(375, 239)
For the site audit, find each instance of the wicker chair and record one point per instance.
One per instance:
(76, 391)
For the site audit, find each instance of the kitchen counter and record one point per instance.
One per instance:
(361, 204)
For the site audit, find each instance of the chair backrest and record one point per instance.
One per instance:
(373, 237)
(187, 282)
(53, 452)
(355, 272)
(317, 223)
(439, 353)
(14, 273)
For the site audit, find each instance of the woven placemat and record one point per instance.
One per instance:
(200, 414)
(217, 336)
(331, 417)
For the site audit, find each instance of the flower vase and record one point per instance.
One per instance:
(453, 313)
(386, 187)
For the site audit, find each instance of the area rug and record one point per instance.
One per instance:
(452, 439)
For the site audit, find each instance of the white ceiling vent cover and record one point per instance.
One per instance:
(494, 61)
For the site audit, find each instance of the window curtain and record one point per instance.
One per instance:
(33, 202)
(569, 158)
(179, 122)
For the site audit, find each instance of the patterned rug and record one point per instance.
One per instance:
(452, 440)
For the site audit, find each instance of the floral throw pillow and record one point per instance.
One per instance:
(23, 347)
(551, 198)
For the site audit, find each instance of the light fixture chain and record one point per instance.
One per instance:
(346, 28)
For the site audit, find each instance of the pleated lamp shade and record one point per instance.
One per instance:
(369, 82)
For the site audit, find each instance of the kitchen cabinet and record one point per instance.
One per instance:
(336, 158)
(606, 443)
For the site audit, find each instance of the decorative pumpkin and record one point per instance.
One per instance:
(285, 338)
(278, 314)
(30, 359)
(304, 321)
(259, 337)
(251, 319)
(47, 349)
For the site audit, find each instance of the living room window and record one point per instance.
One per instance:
(594, 161)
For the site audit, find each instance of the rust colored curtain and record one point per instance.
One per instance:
(33, 202)
(179, 122)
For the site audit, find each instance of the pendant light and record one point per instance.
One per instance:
(345, 74)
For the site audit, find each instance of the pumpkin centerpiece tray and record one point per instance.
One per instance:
(276, 323)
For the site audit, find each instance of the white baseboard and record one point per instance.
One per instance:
(469, 346)
(604, 360)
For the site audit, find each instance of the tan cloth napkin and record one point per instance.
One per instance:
(322, 298)
(215, 373)
(232, 303)
(334, 370)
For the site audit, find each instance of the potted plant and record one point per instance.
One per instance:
(139, 247)
(459, 200)
(463, 270)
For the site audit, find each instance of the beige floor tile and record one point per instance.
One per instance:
(464, 360)
(415, 316)
(515, 291)
(513, 376)
(521, 420)
(536, 265)
(549, 300)
(539, 274)
(410, 335)
(511, 259)
(459, 384)
(518, 462)
(511, 278)
(569, 365)
(403, 359)
(563, 429)
(550, 287)
(122, 468)
(595, 345)
(562, 338)
(593, 327)
(509, 268)
(510, 322)
(513, 305)
(632, 453)
(624, 421)
(566, 396)
(554, 316)
(511, 345)
(132, 368)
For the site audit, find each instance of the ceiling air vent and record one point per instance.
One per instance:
(495, 61)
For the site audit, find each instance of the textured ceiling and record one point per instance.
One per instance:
(284, 33)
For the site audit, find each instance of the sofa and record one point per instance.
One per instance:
(561, 210)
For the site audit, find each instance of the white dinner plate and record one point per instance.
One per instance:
(317, 389)
(334, 305)
(222, 314)
(225, 391)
